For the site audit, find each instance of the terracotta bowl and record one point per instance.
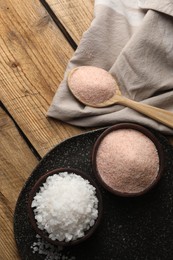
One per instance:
(144, 131)
(43, 233)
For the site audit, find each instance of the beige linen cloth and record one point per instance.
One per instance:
(133, 40)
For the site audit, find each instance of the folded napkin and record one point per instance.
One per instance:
(133, 40)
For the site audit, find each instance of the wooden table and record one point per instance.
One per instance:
(37, 38)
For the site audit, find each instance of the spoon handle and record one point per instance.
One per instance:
(160, 115)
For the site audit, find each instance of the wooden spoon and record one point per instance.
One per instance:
(96, 87)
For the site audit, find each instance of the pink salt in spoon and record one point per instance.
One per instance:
(96, 87)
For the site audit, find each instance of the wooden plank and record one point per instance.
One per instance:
(16, 164)
(75, 15)
(34, 54)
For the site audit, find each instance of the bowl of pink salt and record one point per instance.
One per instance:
(128, 159)
(65, 207)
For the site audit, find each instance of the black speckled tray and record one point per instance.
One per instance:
(131, 228)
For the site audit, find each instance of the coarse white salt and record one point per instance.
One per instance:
(92, 85)
(127, 161)
(65, 206)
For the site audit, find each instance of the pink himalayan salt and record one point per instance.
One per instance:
(127, 161)
(92, 85)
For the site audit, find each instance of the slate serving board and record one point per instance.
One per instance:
(138, 228)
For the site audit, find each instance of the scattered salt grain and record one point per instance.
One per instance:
(50, 251)
(127, 161)
(92, 85)
(65, 206)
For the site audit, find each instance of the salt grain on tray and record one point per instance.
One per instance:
(66, 206)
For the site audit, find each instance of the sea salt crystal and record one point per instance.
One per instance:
(66, 206)
(127, 161)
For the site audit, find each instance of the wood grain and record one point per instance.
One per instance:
(75, 15)
(33, 58)
(16, 163)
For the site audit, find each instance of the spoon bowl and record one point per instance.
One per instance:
(92, 86)
(96, 87)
